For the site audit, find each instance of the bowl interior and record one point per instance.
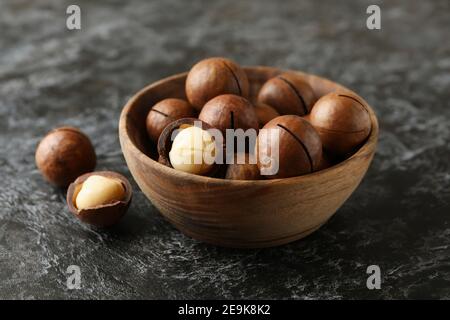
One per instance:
(132, 123)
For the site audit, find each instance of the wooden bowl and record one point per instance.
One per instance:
(250, 214)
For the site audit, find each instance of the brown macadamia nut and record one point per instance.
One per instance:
(212, 77)
(64, 154)
(288, 93)
(229, 111)
(299, 147)
(342, 121)
(165, 112)
(265, 113)
(242, 168)
(325, 161)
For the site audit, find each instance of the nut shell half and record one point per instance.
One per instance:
(104, 215)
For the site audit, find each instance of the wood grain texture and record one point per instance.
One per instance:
(232, 213)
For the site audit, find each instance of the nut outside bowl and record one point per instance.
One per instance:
(238, 213)
(102, 216)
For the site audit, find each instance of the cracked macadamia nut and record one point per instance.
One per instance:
(288, 93)
(298, 144)
(64, 154)
(99, 190)
(229, 111)
(212, 77)
(165, 112)
(99, 198)
(193, 151)
(342, 121)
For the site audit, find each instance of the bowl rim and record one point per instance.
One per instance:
(366, 149)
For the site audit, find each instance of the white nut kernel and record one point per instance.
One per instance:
(193, 151)
(99, 190)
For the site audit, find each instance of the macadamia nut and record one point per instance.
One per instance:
(212, 77)
(64, 154)
(99, 190)
(193, 150)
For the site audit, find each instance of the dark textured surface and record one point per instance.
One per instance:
(398, 218)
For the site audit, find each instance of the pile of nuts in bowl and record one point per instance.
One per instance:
(219, 132)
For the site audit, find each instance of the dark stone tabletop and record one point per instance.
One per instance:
(398, 218)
